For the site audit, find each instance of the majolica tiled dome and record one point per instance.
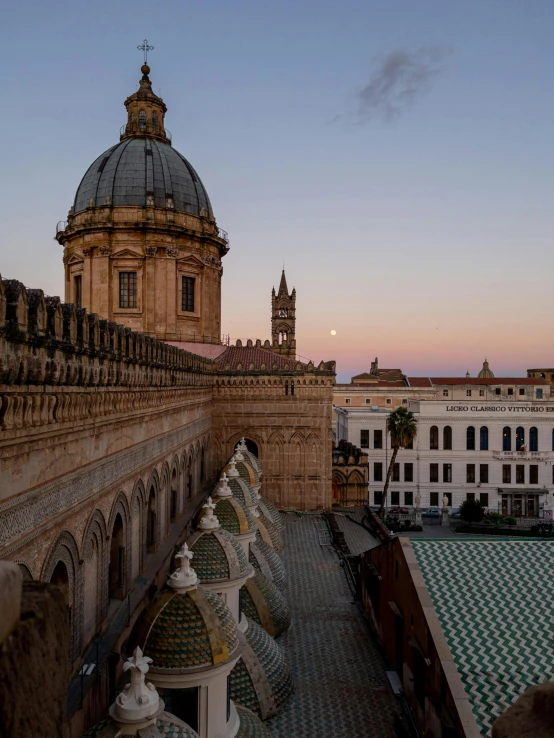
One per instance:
(261, 657)
(167, 726)
(218, 556)
(187, 629)
(246, 473)
(269, 509)
(250, 725)
(276, 539)
(261, 601)
(264, 559)
(243, 491)
(232, 515)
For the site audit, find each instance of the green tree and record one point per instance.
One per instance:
(472, 511)
(402, 426)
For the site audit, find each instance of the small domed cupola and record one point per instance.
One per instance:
(263, 603)
(145, 111)
(486, 371)
(264, 558)
(232, 515)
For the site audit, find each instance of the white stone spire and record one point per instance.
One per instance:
(238, 453)
(242, 444)
(232, 472)
(223, 489)
(184, 577)
(209, 521)
(139, 701)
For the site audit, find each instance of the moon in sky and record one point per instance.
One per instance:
(333, 332)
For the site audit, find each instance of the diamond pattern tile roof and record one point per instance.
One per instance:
(242, 491)
(494, 601)
(274, 534)
(261, 601)
(251, 358)
(271, 512)
(218, 556)
(260, 553)
(139, 167)
(250, 725)
(232, 516)
(261, 679)
(181, 630)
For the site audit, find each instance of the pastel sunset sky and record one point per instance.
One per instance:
(395, 154)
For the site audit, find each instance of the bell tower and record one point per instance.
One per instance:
(283, 319)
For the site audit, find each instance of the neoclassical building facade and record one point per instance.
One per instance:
(120, 406)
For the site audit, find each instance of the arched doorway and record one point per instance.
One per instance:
(116, 575)
(252, 446)
(151, 521)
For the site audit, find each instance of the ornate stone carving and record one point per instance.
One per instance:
(150, 250)
(104, 250)
(171, 253)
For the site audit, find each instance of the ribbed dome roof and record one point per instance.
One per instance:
(232, 515)
(141, 167)
(269, 509)
(486, 371)
(262, 602)
(243, 492)
(261, 678)
(250, 725)
(218, 556)
(183, 630)
(275, 537)
(264, 559)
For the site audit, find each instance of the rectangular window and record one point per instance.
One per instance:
(445, 393)
(484, 473)
(410, 445)
(187, 298)
(78, 292)
(127, 289)
(506, 474)
(510, 390)
(396, 472)
(388, 401)
(377, 439)
(484, 499)
(538, 393)
(395, 498)
(368, 400)
(378, 497)
(434, 499)
(364, 439)
(521, 391)
(533, 474)
(497, 391)
(468, 393)
(408, 472)
(347, 401)
(433, 472)
(520, 474)
(404, 402)
(377, 471)
(470, 496)
(481, 393)
(470, 473)
(409, 498)
(447, 472)
(553, 474)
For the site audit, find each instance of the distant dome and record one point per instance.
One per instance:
(141, 171)
(485, 372)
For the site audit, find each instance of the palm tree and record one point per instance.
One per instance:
(402, 426)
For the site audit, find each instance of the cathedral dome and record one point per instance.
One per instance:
(141, 171)
(270, 511)
(218, 556)
(486, 371)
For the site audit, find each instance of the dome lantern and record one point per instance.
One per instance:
(145, 111)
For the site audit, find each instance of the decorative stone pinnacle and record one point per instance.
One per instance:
(242, 444)
(209, 520)
(238, 453)
(232, 471)
(139, 700)
(185, 576)
(223, 489)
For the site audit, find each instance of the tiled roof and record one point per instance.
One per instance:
(250, 725)
(271, 511)
(181, 630)
(494, 600)
(246, 473)
(261, 601)
(167, 726)
(419, 382)
(379, 383)
(262, 661)
(261, 549)
(252, 358)
(218, 556)
(232, 516)
(274, 534)
(487, 380)
(242, 491)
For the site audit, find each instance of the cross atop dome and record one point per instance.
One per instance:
(145, 110)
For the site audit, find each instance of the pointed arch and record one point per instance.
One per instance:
(95, 581)
(138, 529)
(120, 555)
(163, 504)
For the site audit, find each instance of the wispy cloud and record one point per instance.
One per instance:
(398, 80)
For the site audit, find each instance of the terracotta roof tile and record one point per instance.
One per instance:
(487, 380)
(251, 358)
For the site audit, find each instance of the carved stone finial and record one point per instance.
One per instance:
(232, 471)
(238, 453)
(139, 700)
(184, 577)
(223, 489)
(209, 521)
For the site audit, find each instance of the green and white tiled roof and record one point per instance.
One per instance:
(167, 726)
(263, 557)
(250, 725)
(495, 603)
(269, 509)
(218, 556)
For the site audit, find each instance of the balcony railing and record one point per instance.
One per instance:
(537, 455)
(61, 226)
(223, 235)
(136, 130)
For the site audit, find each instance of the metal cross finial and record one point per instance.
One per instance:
(144, 46)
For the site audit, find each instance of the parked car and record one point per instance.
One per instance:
(454, 512)
(399, 511)
(375, 508)
(431, 512)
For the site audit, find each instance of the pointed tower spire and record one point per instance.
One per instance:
(283, 289)
(283, 319)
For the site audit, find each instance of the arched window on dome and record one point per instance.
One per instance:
(154, 121)
(142, 120)
(507, 438)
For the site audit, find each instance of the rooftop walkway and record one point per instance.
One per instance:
(341, 687)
